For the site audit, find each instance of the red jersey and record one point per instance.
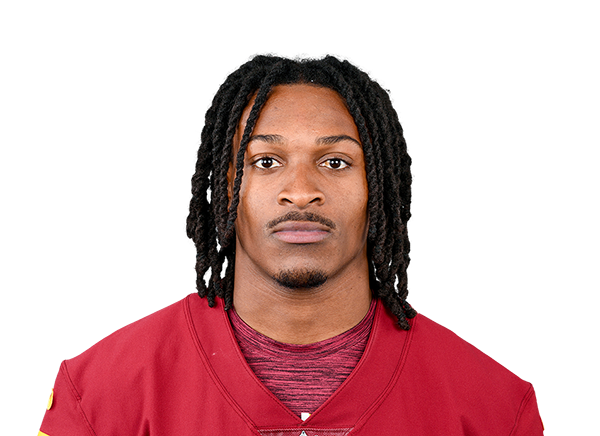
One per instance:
(180, 372)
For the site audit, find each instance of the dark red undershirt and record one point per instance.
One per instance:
(303, 376)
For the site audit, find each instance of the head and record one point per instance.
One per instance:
(374, 136)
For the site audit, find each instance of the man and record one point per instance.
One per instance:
(308, 331)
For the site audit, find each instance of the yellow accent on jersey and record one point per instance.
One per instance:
(44, 397)
(41, 433)
(50, 401)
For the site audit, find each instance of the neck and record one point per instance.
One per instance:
(301, 316)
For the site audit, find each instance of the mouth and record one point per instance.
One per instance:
(294, 232)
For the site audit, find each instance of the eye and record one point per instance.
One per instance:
(335, 163)
(266, 163)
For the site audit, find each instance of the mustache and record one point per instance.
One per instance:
(302, 216)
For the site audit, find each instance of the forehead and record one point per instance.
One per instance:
(302, 106)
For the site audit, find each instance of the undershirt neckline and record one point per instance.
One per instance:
(303, 376)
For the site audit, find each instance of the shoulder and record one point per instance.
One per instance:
(120, 382)
(435, 346)
(446, 352)
(454, 377)
(142, 346)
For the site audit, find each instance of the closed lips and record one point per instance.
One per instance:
(300, 232)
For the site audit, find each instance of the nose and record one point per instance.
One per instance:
(300, 188)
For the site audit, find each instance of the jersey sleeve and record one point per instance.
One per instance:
(529, 422)
(64, 416)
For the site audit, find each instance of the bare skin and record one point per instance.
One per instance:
(304, 157)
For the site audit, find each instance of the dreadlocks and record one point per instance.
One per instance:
(210, 223)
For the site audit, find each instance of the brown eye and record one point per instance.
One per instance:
(266, 163)
(335, 163)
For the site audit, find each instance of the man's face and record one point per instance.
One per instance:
(302, 217)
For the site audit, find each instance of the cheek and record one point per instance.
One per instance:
(363, 207)
(362, 219)
(354, 207)
(361, 192)
(258, 194)
(251, 208)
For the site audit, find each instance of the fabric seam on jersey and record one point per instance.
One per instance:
(335, 393)
(311, 429)
(360, 422)
(372, 332)
(209, 368)
(247, 368)
(77, 396)
(524, 402)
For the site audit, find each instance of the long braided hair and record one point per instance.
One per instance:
(210, 223)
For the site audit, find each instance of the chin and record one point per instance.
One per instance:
(301, 278)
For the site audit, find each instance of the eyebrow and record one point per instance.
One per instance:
(324, 140)
(270, 139)
(328, 140)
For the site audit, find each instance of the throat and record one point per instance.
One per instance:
(302, 316)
